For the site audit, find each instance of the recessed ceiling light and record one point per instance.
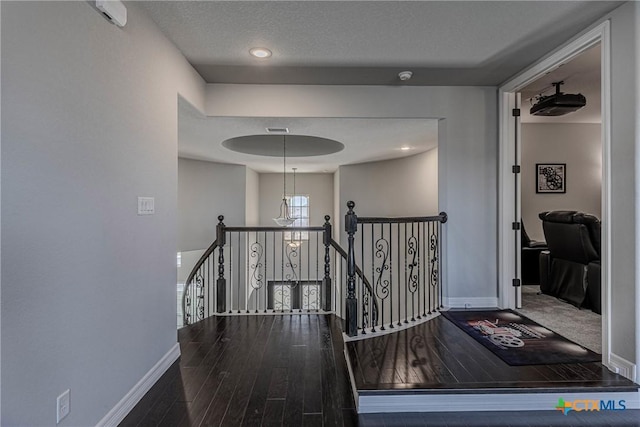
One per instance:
(260, 52)
(405, 148)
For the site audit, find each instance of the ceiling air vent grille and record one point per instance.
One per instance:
(277, 130)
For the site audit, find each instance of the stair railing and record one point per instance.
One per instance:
(286, 270)
(403, 260)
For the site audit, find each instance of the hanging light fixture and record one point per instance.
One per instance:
(285, 219)
(296, 235)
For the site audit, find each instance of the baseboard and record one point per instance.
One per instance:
(485, 402)
(471, 303)
(623, 367)
(131, 399)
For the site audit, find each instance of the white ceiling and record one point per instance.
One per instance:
(365, 140)
(358, 42)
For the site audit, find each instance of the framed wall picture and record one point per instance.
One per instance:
(551, 177)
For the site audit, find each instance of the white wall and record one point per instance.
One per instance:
(467, 155)
(318, 186)
(88, 287)
(206, 190)
(401, 187)
(576, 144)
(252, 198)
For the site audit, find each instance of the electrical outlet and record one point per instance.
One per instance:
(467, 306)
(63, 406)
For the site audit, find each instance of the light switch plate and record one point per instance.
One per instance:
(146, 206)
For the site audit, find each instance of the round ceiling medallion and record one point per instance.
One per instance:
(271, 145)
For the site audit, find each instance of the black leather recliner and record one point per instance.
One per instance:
(570, 269)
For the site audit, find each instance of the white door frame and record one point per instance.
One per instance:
(506, 199)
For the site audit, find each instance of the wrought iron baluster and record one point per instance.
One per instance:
(425, 262)
(399, 288)
(351, 227)
(221, 285)
(266, 262)
(412, 284)
(329, 304)
(406, 283)
(419, 268)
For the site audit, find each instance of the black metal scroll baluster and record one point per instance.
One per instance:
(326, 282)
(425, 267)
(221, 284)
(365, 310)
(293, 253)
(256, 280)
(199, 297)
(443, 216)
(382, 282)
(351, 306)
(186, 305)
(433, 279)
(364, 296)
(412, 285)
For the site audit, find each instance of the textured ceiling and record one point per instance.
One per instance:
(363, 42)
(369, 42)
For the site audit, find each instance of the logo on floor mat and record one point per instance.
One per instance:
(590, 405)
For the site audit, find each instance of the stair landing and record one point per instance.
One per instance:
(434, 366)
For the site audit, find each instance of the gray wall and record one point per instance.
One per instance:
(401, 187)
(206, 190)
(88, 287)
(576, 144)
(319, 187)
(252, 198)
(467, 154)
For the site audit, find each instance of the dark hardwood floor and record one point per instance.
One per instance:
(290, 370)
(253, 371)
(439, 355)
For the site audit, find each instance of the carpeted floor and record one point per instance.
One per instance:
(582, 326)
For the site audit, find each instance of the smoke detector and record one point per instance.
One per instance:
(405, 75)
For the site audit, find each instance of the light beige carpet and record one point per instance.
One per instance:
(581, 326)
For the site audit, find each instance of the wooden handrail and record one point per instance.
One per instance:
(442, 217)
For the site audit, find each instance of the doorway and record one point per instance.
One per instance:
(512, 193)
(561, 171)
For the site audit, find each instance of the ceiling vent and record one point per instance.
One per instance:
(558, 104)
(277, 130)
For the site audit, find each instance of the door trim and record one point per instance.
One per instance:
(506, 100)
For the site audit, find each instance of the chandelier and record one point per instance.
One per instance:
(284, 219)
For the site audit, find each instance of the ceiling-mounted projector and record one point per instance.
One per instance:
(558, 104)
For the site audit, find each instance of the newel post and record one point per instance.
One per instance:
(326, 281)
(351, 226)
(221, 283)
